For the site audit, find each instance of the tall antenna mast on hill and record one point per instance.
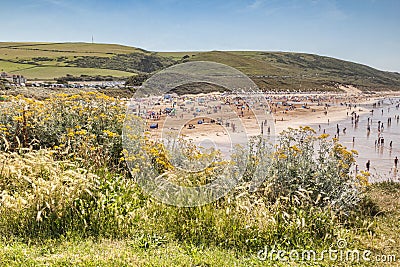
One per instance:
(92, 39)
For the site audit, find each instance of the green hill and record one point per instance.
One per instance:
(299, 71)
(53, 60)
(270, 70)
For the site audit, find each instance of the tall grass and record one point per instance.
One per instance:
(40, 196)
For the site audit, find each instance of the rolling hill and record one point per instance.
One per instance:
(270, 70)
(53, 60)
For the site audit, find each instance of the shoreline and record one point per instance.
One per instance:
(335, 112)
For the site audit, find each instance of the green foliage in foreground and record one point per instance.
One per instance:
(377, 234)
(69, 195)
(47, 198)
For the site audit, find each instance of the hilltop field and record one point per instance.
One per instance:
(269, 70)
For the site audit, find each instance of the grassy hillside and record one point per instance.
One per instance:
(270, 70)
(52, 60)
(298, 71)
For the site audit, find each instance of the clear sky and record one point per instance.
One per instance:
(364, 31)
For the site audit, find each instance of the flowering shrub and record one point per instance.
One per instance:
(315, 170)
(81, 126)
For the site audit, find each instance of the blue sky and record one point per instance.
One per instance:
(364, 31)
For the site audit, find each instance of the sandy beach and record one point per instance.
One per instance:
(286, 110)
(223, 121)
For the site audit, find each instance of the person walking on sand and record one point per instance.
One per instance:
(368, 164)
(396, 162)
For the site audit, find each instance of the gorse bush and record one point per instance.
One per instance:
(62, 172)
(85, 126)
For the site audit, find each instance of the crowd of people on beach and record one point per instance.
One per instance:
(206, 105)
(375, 124)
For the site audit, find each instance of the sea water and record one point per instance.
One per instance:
(381, 156)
